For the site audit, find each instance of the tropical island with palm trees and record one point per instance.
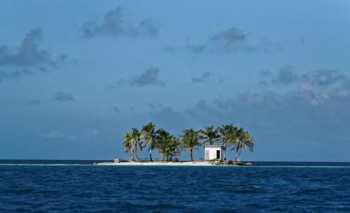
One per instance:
(215, 141)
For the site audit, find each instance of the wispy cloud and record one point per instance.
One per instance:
(315, 86)
(202, 78)
(34, 102)
(56, 135)
(29, 53)
(11, 74)
(115, 24)
(64, 97)
(150, 77)
(28, 58)
(196, 48)
(229, 40)
(308, 106)
(286, 75)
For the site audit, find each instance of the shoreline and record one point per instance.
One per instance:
(165, 163)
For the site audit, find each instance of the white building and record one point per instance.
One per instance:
(214, 152)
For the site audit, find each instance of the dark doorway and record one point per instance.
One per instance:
(217, 154)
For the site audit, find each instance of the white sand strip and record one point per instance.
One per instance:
(194, 163)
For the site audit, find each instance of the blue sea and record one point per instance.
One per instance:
(79, 186)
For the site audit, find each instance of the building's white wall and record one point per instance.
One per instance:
(210, 153)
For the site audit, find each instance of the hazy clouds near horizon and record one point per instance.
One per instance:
(74, 76)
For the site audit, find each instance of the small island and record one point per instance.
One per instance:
(215, 140)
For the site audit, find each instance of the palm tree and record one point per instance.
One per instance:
(172, 147)
(209, 135)
(148, 135)
(138, 143)
(228, 135)
(244, 141)
(162, 136)
(131, 143)
(127, 144)
(169, 145)
(166, 143)
(190, 140)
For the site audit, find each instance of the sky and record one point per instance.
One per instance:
(75, 76)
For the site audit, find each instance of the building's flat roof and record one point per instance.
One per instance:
(214, 146)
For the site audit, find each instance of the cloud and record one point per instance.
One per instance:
(53, 135)
(63, 97)
(225, 41)
(288, 76)
(285, 110)
(28, 58)
(279, 117)
(115, 24)
(188, 47)
(148, 78)
(314, 86)
(228, 41)
(29, 53)
(11, 74)
(230, 37)
(34, 102)
(324, 78)
(202, 78)
(235, 39)
(196, 48)
(285, 76)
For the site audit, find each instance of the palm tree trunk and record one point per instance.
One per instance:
(150, 155)
(225, 154)
(191, 154)
(238, 153)
(134, 152)
(130, 155)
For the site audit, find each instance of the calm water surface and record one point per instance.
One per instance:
(267, 187)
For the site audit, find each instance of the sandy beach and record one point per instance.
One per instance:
(157, 163)
(165, 163)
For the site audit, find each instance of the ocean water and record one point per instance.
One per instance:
(79, 186)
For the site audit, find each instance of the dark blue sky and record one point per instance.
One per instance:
(74, 76)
